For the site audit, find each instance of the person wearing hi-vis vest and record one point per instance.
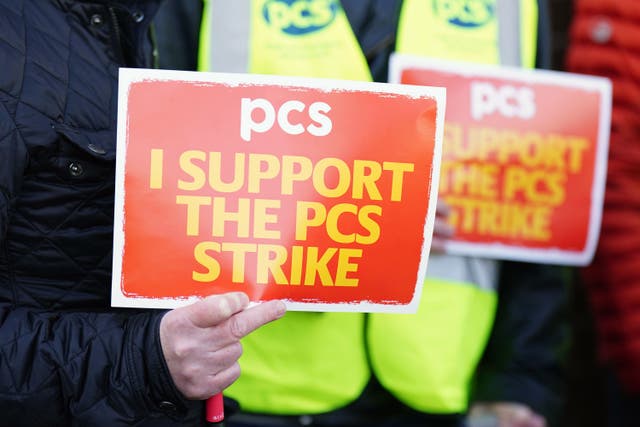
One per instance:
(356, 369)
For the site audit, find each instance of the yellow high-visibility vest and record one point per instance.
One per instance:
(427, 360)
(481, 31)
(309, 38)
(309, 363)
(305, 363)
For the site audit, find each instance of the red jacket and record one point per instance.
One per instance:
(605, 40)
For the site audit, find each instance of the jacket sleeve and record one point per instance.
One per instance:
(524, 360)
(89, 365)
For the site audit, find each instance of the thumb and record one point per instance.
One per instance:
(215, 309)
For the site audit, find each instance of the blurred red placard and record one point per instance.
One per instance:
(317, 192)
(524, 158)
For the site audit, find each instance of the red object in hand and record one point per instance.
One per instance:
(215, 408)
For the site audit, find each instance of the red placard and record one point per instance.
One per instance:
(317, 192)
(524, 158)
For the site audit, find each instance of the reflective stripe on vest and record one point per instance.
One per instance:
(483, 31)
(310, 38)
(427, 360)
(305, 363)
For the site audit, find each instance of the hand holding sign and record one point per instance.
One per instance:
(201, 341)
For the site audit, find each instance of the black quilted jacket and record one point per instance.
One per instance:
(66, 359)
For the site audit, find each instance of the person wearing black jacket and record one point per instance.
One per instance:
(522, 371)
(66, 357)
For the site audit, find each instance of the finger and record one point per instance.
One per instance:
(223, 379)
(443, 229)
(252, 318)
(216, 309)
(538, 421)
(216, 361)
(525, 417)
(438, 246)
(208, 384)
(443, 208)
(515, 415)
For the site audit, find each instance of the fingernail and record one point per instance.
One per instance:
(281, 309)
(224, 308)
